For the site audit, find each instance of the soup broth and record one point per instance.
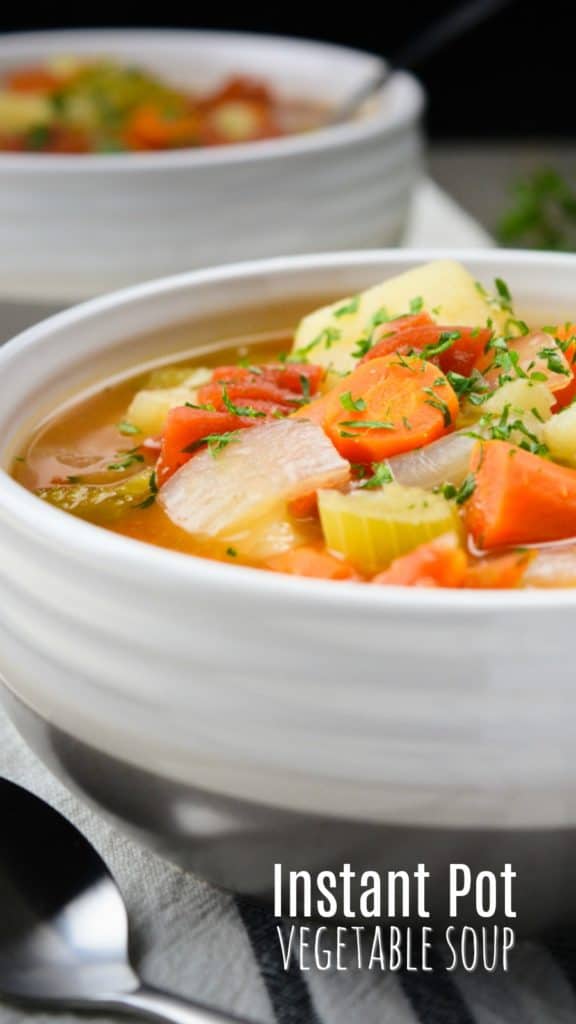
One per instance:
(416, 434)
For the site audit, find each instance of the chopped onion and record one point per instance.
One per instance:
(226, 495)
(529, 347)
(443, 461)
(553, 566)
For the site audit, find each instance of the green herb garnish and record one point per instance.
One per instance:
(462, 493)
(128, 428)
(381, 475)
(349, 308)
(352, 404)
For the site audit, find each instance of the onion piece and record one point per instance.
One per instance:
(529, 347)
(444, 461)
(228, 494)
(553, 566)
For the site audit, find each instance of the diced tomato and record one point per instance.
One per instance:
(185, 428)
(413, 334)
(295, 377)
(245, 393)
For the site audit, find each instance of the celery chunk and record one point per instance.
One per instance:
(101, 503)
(370, 529)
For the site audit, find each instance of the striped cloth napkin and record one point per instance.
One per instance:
(196, 941)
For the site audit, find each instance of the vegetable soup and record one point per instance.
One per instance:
(418, 433)
(102, 106)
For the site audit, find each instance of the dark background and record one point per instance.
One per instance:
(512, 78)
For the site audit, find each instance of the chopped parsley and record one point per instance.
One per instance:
(352, 404)
(417, 304)
(381, 475)
(327, 338)
(553, 360)
(445, 341)
(501, 300)
(509, 426)
(474, 387)
(440, 404)
(231, 552)
(128, 428)
(215, 442)
(348, 308)
(239, 410)
(368, 424)
(462, 493)
(363, 346)
(124, 460)
(381, 316)
(305, 386)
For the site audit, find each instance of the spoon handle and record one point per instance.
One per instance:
(150, 1002)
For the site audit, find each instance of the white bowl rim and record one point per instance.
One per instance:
(349, 133)
(145, 561)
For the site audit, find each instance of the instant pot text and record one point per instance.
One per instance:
(415, 943)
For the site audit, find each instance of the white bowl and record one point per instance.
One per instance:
(388, 705)
(73, 226)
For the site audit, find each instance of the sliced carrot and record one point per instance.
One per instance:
(413, 334)
(304, 507)
(438, 563)
(519, 498)
(386, 406)
(185, 431)
(312, 561)
(564, 396)
(499, 572)
(149, 127)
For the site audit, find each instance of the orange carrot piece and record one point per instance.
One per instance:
(388, 406)
(305, 506)
(148, 128)
(499, 572)
(312, 561)
(438, 563)
(519, 498)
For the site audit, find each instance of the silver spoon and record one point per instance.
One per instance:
(456, 23)
(63, 923)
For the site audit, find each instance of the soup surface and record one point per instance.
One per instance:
(102, 106)
(418, 434)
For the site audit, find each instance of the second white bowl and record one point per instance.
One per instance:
(73, 226)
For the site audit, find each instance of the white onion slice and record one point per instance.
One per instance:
(553, 566)
(252, 478)
(443, 461)
(528, 348)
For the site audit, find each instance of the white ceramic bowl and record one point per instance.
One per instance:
(411, 706)
(73, 226)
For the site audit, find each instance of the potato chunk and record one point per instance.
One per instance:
(444, 289)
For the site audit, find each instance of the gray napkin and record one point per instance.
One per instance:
(193, 940)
